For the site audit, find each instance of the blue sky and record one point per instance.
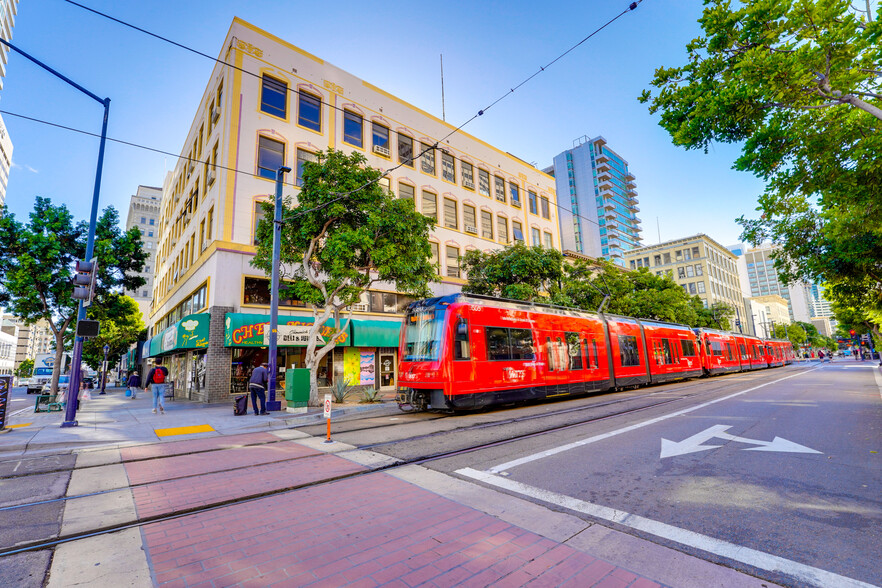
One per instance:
(488, 47)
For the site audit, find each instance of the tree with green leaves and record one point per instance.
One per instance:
(799, 84)
(25, 369)
(792, 332)
(344, 234)
(37, 266)
(517, 272)
(121, 325)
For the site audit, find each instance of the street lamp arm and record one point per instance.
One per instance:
(104, 101)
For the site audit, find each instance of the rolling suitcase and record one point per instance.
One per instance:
(241, 405)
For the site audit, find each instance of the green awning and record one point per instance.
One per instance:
(246, 329)
(191, 332)
(368, 333)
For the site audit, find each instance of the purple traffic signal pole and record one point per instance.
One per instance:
(273, 404)
(75, 377)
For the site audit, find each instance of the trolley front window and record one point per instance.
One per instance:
(422, 335)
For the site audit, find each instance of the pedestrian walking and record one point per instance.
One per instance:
(156, 380)
(133, 382)
(257, 384)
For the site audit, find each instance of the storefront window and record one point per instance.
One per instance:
(257, 291)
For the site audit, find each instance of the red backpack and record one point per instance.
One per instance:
(159, 376)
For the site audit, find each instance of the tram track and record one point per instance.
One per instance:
(40, 544)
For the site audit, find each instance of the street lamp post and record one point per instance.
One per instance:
(273, 404)
(104, 366)
(75, 375)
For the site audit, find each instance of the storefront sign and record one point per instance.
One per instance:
(291, 335)
(191, 332)
(247, 330)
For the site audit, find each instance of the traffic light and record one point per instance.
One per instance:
(851, 332)
(84, 280)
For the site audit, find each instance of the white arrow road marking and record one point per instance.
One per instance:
(694, 443)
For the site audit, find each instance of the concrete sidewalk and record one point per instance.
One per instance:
(115, 420)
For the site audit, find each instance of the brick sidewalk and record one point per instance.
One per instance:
(368, 531)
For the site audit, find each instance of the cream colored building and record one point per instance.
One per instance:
(700, 265)
(275, 105)
(776, 313)
(144, 215)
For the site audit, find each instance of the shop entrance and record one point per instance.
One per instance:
(387, 370)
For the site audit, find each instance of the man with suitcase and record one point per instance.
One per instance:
(257, 384)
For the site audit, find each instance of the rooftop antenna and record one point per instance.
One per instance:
(443, 112)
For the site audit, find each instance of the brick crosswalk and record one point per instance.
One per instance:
(366, 531)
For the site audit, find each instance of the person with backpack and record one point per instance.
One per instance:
(257, 384)
(133, 382)
(156, 380)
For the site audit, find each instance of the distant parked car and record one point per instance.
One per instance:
(63, 383)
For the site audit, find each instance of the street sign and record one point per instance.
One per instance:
(87, 328)
(694, 443)
(327, 406)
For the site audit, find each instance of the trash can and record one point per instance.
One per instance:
(297, 387)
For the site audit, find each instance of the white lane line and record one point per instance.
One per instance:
(555, 450)
(809, 575)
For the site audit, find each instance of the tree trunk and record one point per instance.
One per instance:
(59, 360)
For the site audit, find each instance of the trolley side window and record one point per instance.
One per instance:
(596, 363)
(688, 348)
(575, 351)
(666, 351)
(730, 355)
(743, 351)
(549, 349)
(717, 348)
(509, 344)
(461, 340)
(630, 354)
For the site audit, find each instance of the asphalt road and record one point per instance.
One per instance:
(786, 464)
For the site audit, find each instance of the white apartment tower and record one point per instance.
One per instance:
(8, 10)
(144, 214)
(598, 201)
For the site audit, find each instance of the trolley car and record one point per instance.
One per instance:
(464, 351)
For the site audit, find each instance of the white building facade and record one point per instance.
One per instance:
(289, 105)
(144, 214)
(8, 11)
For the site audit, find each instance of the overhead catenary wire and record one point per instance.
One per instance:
(632, 6)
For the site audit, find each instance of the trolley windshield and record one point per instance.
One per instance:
(422, 337)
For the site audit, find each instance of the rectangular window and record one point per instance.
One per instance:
(522, 344)
(701, 289)
(209, 224)
(716, 348)
(667, 257)
(515, 194)
(535, 237)
(544, 207)
(687, 254)
(152, 221)
(483, 182)
(575, 351)
(448, 167)
(302, 157)
(353, 129)
(143, 219)
(461, 340)
(498, 345)
(532, 199)
(656, 259)
(517, 231)
(699, 271)
(500, 188)
(258, 216)
(486, 224)
(405, 191)
(469, 220)
(692, 287)
(270, 157)
(430, 205)
(681, 272)
(688, 348)
(274, 96)
(450, 219)
(427, 161)
(452, 262)
(405, 150)
(436, 257)
(630, 354)
(549, 242)
(502, 228)
(380, 139)
(255, 291)
(309, 111)
(551, 352)
(695, 253)
(690, 271)
(468, 175)
(678, 255)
